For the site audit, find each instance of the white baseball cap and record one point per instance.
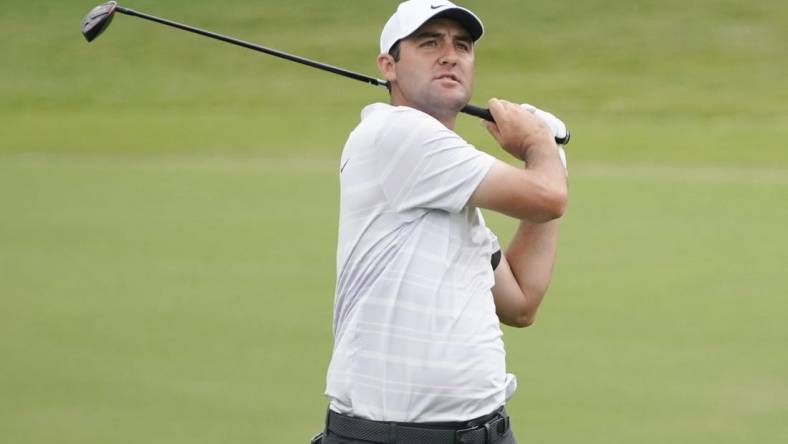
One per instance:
(411, 14)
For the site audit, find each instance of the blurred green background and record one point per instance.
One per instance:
(168, 209)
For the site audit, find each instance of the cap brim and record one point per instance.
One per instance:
(468, 21)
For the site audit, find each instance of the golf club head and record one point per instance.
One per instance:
(97, 20)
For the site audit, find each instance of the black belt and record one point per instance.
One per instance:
(488, 430)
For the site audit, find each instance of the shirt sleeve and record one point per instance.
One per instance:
(426, 165)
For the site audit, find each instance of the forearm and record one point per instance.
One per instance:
(531, 255)
(543, 159)
(547, 184)
(544, 166)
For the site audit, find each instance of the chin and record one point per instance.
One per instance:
(452, 102)
(438, 102)
(457, 105)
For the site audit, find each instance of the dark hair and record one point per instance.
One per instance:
(394, 51)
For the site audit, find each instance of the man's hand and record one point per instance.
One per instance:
(557, 127)
(536, 193)
(517, 130)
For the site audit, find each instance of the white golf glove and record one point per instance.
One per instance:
(557, 127)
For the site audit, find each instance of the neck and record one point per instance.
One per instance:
(448, 119)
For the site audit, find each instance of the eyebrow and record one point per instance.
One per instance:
(434, 34)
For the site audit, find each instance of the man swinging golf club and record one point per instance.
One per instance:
(421, 283)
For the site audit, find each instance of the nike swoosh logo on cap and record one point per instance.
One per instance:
(438, 7)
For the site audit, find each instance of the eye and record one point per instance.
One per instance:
(463, 46)
(430, 43)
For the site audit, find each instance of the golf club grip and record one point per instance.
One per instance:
(485, 114)
(477, 111)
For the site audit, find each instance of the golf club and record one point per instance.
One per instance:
(99, 18)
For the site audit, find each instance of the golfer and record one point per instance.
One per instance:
(422, 286)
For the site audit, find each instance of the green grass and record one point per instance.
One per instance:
(168, 219)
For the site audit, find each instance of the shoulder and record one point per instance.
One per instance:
(404, 118)
(388, 119)
(389, 132)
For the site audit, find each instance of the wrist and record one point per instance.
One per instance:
(541, 145)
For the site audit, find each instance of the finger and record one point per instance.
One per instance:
(495, 106)
(505, 103)
(528, 107)
(492, 129)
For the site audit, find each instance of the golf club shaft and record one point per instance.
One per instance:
(468, 109)
(249, 45)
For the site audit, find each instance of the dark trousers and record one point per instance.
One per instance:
(333, 439)
(503, 436)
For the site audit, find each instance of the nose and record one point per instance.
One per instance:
(449, 56)
(448, 53)
(447, 61)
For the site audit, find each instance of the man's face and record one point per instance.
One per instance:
(435, 69)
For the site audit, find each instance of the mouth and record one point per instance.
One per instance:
(448, 76)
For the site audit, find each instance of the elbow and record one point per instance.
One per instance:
(558, 201)
(525, 314)
(523, 321)
(524, 317)
(553, 204)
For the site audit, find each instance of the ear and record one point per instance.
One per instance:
(386, 67)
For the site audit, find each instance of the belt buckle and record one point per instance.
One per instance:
(501, 423)
(497, 426)
(493, 429)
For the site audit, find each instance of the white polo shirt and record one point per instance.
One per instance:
(416, 337)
